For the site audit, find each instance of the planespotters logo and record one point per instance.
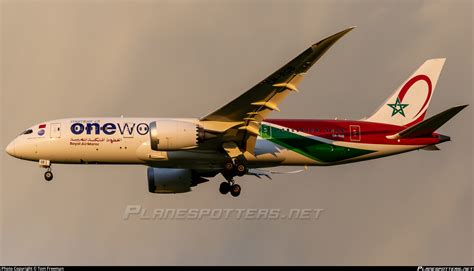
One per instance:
(142, 213)
(41, 130)
(398, 106)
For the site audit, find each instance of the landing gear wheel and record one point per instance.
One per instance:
(229, 166)
(240, 169)
(224, 188)
(235, 190)
(48, 175)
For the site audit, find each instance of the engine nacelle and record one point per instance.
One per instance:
(171, 180)
(171, 135)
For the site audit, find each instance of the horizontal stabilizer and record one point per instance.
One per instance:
(428, 126)
(431, 148)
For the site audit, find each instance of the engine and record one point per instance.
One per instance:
(171, 135)
(172, 180)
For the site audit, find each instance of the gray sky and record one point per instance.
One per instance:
(186, 58)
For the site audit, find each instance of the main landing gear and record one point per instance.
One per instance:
(48, 175)
(231, 187)
(235, 167)
(232, 168)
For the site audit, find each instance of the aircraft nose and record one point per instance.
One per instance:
(10, 149)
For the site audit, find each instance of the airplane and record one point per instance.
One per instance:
(237, 139)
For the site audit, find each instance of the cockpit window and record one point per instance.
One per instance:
(29, 131)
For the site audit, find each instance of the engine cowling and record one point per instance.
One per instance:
(171, 135)
(171, 180)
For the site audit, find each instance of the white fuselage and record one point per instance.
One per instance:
(127, 141)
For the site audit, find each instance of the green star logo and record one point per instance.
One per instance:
(398, 107)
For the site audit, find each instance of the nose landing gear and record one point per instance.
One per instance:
(48, 175)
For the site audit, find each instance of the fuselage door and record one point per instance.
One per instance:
(55, 130)
(355, 132)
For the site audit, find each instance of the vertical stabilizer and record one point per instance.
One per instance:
(409, 103)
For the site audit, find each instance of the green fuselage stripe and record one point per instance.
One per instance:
(309, 147)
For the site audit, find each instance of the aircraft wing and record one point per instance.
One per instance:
(242, 116)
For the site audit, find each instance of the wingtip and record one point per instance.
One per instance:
(348, 29)
(333, 38)
(343, 32)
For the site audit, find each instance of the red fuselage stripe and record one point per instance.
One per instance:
(339, 130)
